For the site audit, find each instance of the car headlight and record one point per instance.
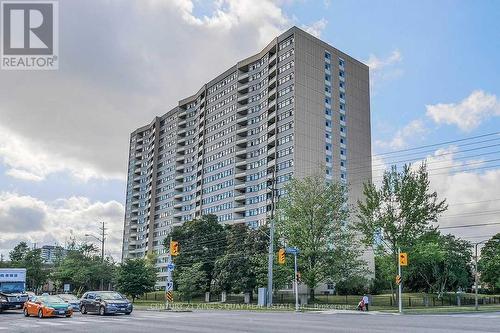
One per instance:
(49, 308)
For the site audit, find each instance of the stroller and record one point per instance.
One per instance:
(361, 306)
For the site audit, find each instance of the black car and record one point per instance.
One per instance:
(105, 302)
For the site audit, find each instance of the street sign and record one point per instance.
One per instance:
(170, 266)
(66, 288)
(170, 285)
(292, 250)
(398, 279)
(170, 296)
(403, 259)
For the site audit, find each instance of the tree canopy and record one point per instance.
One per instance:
(401, 210)
(135, 277)
(313, 216)
(489, 264)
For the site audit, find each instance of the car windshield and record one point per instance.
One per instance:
(50, 299)
(110, 296)
(12, 287)
(68, 297)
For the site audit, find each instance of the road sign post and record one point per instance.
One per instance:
(400, 287)
(295, 252)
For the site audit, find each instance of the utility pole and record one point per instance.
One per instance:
(400, 287)
(101, 239)
(271, 243)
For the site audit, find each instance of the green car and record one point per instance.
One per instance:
(47, 306)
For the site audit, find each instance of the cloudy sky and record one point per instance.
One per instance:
(64, 134)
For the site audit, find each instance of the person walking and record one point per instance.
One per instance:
(366, 301)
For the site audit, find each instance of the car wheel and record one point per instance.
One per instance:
(102, 310)
(83, 310)
(127, 313)
(40, 313)
(26, 314)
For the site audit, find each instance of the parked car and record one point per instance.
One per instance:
(71, 300)
(105, 302)
(47, 306)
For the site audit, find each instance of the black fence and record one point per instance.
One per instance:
(385, 301)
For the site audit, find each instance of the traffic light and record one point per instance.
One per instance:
(398, 279)
(174, 248)
(403, 259)
(281, 256)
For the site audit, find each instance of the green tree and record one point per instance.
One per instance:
(400, 211)
(489, 264)
(385, 271)
(439, 263)
(31, 259)
(312, 217)
(83, 268)
(191, 280)
(135, 277)
(200, 241)
(36, 272)
(18, 254)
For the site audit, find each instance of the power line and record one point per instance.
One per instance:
(469, 225)
(437, 144)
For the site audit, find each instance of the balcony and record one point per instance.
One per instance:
(272, 105)
(241, 175)
(239, 209)
(241, 163)
(272, 82)
(243, 99)
(242, 110)
(242, 121)
(243, 77)
(272, 60)
(243, 89)
(242, 131)
(241, 153)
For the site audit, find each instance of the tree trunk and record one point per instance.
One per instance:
(311, 291)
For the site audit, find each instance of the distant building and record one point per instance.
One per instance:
(51, 252)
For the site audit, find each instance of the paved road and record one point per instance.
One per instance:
(245, 321)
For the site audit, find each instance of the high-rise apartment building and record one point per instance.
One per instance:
(296, 107)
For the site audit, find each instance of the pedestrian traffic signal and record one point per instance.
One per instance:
(281, 256)
(403, 259)
(299, 277)
(398, 279)
(174, 248)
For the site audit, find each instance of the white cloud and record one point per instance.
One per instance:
(30, 160)
(469, 113)
(413, 129)
(25, 218)
(383, 69)
(115, 77)
(470, 194)
(316, 28)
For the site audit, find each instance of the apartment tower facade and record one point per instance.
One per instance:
(298, 107)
